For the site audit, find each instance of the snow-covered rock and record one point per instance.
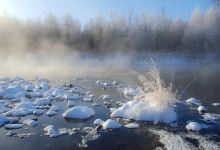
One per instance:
(4, 120)
(195, 126)
(24, 104)
(29, 88)
(30, 122)
(111, 124)
(19, 112)
(210, 117)
(50, 131)
(132, 125)
(42, 101)
(79, 112)
(38, 112)
(13, 126)
(11, 90)
(54, 108)
(99, 122)
(51, 113)
(216, 104)
(143, 111)
(202, 109)
(194, 101)
(72, 97)
(105, 97)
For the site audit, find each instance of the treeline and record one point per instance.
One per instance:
(118, 33)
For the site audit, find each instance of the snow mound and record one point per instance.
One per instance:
(11, 90)
(216, 104)
(98, 122)
(132, 125)
(79, 112)
(19, 112)
(195, 126)
(13, 126)
(51, 113)
(210, 117)
(194, 101)
(42, 101)
(38, 112)
(52, 132)
(30, 123)
(111, 124)
(202, 109)
(143, 111)
(3, 120)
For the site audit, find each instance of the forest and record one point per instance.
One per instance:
(118, 33)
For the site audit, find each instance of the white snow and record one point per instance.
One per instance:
(132, 125)
(38, 112)
(51, 132)
(4, 120)
(143, 111)
(210, 117)
(42, 101)
(111, 124)
(194, 101)
(29, 88)
(11, 90)
(51, 113)
(19, 112)
(105, 97)
(216, 104)
(13, 126)
(54, 108)
(130, 92)
(98, 122)
(202, 109)
(195, 126)
(25, 104)
(72, 97)
(30, 122)
(79, 112)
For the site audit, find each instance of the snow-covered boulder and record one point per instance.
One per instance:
(42, 101)
(98, 122)
(13, 126)
(132, 125)
(105, 97)
(215, 104)
(29, 88)
(111, 124)
(38, 112)
(213, 118)
(143, 111)
(11, 90)
(51, 113)
(4, 120)
(30, 122)
(79, 112)
(195, 126)
(194, 101)
(72, 97)
(202, 109)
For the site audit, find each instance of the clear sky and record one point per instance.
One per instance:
(83, 10)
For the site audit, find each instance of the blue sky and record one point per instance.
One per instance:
(83, 10)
